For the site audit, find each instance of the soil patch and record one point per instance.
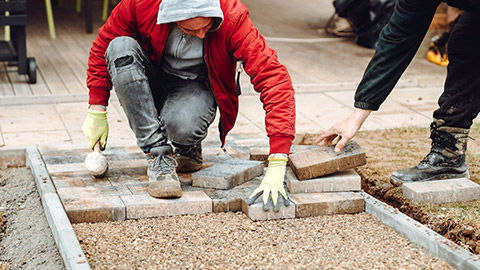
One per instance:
(394, 149)
(26, 241)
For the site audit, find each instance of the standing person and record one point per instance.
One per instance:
(459, 104)
(171, 63)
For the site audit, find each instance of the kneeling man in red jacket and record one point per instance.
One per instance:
(172, 63)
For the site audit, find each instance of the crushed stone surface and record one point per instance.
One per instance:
(232, 241)
(26, 241)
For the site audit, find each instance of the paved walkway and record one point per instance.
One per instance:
(53, 124)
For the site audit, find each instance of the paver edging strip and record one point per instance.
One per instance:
(421, 234)
(63, 233)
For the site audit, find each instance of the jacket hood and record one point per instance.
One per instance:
(179, 10)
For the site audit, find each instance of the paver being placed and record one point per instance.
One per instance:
(142, 205)
(228, 174)
(316, 204)
(324, 160)
(348, 180)
(442, 191)
(256, 213)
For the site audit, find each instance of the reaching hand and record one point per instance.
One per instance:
(345, 129)
(95, 128)
(272, 184)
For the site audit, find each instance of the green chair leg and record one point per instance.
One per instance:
(6, 29)
(51, 23)
(78, 6)
(105, 10)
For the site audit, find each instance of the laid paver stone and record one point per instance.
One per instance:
(348, 180)
(231, 200)
(316, 204)
(94, 209)
(442, 191)
(134, 166)
(228, 174)
(324, 160)
(93, 203)
(142, 205)
(255, 211)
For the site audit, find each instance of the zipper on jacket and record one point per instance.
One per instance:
(209, 83)
(239, 71)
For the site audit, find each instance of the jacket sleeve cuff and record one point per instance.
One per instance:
(280, 144)
(98, 96)
(366, 106)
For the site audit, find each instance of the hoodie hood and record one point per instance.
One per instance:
(179, 10)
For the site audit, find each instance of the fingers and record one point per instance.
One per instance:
(251, 200)
(286, 198)
(103, 141)
(268, 204)
(276, 206)
(91, 144)
(327, 137)
(341, 144)
(254, 196)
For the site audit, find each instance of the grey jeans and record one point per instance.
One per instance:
(159, 107)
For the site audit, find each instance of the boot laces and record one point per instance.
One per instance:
(163, 164)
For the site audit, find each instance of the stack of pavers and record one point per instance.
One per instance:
(319, 180)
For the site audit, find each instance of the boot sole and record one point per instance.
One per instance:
(397, 182)
(165, 189)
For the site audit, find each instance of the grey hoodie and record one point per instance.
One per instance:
(183, 54)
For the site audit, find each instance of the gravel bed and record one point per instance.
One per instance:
(26, 241)
(232, 241)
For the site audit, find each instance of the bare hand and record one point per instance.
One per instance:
(345, 130)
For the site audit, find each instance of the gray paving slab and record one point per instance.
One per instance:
(228, 174)
(442, 191)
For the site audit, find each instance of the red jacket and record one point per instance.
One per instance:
(236, 40)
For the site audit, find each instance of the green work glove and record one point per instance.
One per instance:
(95, 128)
(272, 184)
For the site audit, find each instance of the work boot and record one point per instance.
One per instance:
(189, 159)
(446, 159)
(163, 181)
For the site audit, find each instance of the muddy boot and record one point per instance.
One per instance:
(446, 159)
(163, 181)
(189, 159)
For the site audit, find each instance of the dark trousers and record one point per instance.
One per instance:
(460, 101)
(159, 108)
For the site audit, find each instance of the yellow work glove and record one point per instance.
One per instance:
(272, 184)
(95, 128)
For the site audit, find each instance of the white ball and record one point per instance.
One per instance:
(96, 163)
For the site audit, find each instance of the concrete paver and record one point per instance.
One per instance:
(144, 206)
(442, 191)
(324, 160)
(348, 180)
(227, 174)
(316, 204)
(255, 211)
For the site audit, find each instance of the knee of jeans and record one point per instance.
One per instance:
(121, 51)
(183, 132)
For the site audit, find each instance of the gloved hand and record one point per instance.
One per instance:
(95, 128)
(272, 184)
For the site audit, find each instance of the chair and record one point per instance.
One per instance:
(14, 49)
(78, 8)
